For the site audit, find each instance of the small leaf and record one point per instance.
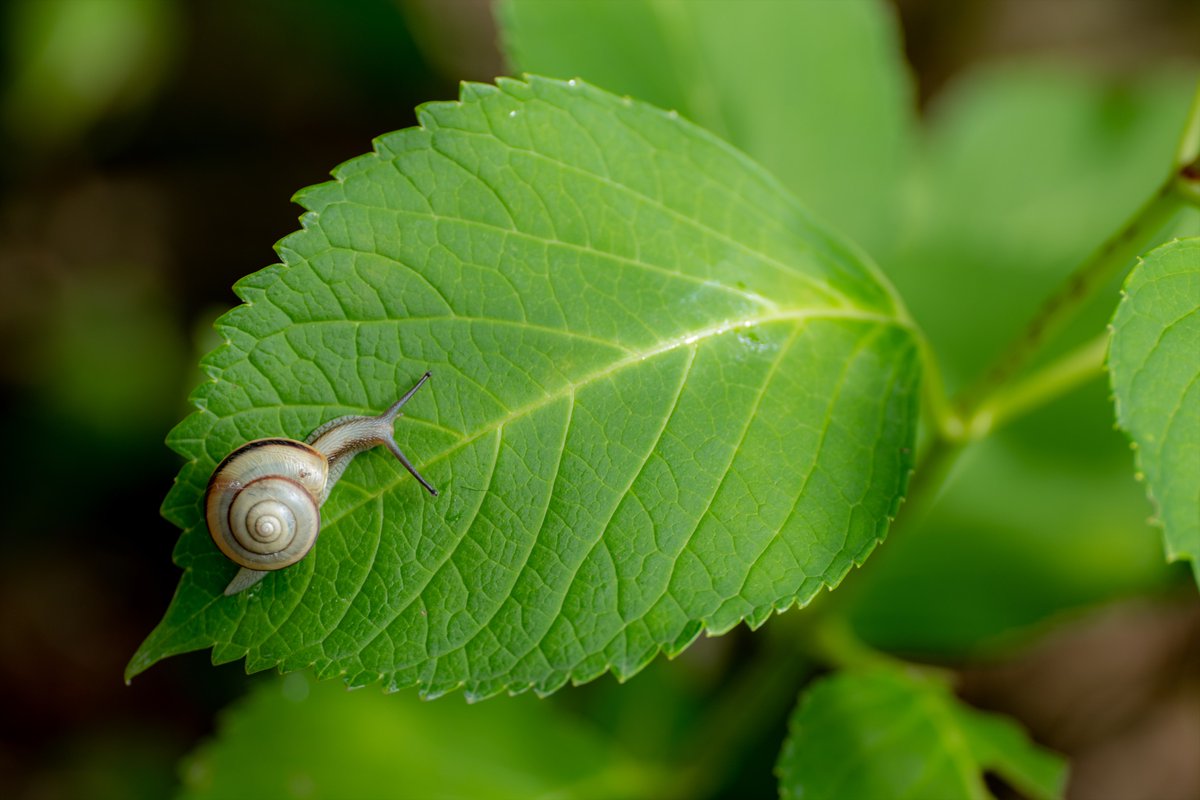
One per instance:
(298, 738)
(664, 401)
(818, 93)
(889, 735)
(1154, 360)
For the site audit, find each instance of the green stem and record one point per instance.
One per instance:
(1187, 157)
(1188, 186)
(1189, 143)
(1107, 261)
(994, 399)
(1057, 378)
(935, 408)
(1080, 286)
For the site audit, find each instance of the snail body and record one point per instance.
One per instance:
(263, 502)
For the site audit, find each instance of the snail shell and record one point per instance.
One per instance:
(263, 502)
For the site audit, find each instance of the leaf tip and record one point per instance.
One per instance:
(143, 658)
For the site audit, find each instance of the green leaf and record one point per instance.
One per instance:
(817, 92)
(887, 734)
(298, 738)
(1154, 361)
(664, 401)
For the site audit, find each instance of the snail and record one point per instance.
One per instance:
(263, 501)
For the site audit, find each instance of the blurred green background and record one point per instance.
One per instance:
(148, 152)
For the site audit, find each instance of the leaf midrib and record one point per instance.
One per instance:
(635, 357)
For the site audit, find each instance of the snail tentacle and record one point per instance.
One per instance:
(343, 438)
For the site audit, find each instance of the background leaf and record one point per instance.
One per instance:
(71, 63)
(817, 92)
(1154, 359)
(296, 737)
(887, 734)
(664, 401)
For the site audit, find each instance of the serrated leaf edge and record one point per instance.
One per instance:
(1173, 554)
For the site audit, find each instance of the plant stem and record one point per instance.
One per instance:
(1180, 187)
(994, 400)
(1188, 153)
(935, 408)
(1189, 189)
(1059, 377)
(1080, 286)
(1187, 157)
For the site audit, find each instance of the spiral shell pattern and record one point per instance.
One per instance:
(263, 503)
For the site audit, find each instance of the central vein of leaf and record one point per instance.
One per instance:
(689, 339)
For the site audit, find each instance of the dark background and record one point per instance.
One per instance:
(137, 183)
